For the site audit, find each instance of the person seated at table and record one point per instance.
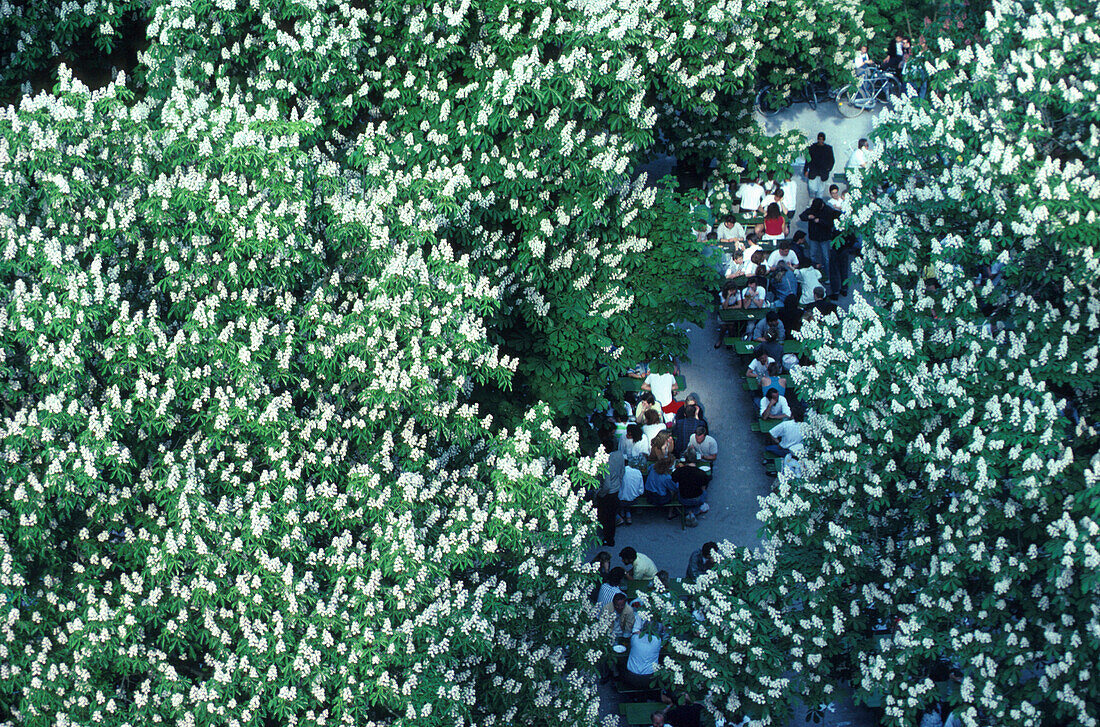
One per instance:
(774, 379)
(783, 254)
(750, 194)
(790, 315)
(729, 299)
(662, 386)
(639, 566)
(773, 344)
(632, 488)
(695, 401)
(633, 445)
(810, 276)
(687, 714)
(602, 560)
(691, 485)
(758, 367)
(754, 295)
(701, 561)
(683, 429)
(645, 651)
(774, 226)
(776, 197)
(659, 487)
(654, 423)
(785, 438)
(821, 303)
(612, 585)
(751, 248)
(784, 283)
(736, 267)
(730, 231)
(774, 406)
(646, 401)
(704, 445)
(660, 447)
(770, 322)
(621, 615)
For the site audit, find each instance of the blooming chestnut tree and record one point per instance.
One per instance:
(242, 482)
(945, 515)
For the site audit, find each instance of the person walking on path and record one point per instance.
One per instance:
(818, 167)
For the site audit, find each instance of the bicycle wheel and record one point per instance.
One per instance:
(811, 98)
(764, 105)
(851, 101)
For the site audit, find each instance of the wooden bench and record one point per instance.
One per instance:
(643, 504)
(638, 713)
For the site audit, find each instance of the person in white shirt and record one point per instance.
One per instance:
(779, 198)
(641, 662)
(610, 587)
(862, 62)
(750, 194)
(810, 277)
(774, 406)
(783, 254)
(790, 193)
(785, 438)
(861, 157)
(754, 295)
(654, 423)
(836, 199)
(705, 446)
(663, 386)
(730, 231)
(759, 365)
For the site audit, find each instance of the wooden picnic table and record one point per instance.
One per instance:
(731, 315)
(638, 713)
(746, 348)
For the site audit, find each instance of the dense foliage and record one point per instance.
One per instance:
(947, 514)
(291, 327)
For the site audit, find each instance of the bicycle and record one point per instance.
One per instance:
(865, 94)
(811, 93)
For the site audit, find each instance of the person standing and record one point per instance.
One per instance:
(861, 157)
(819, 165)
(822, 225)
(607, 497)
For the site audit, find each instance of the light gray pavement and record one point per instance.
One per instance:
(716, 376)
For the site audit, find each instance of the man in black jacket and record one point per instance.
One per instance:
(818, 167)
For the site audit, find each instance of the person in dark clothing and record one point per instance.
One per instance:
(819, 165)
(821, 304)
(772, 345)
(791, 315)
(607, 497)
(692, 483)
(840, 266)
(688, 714)
(821, 220)
(684, 429)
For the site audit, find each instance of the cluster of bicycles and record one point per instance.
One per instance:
(875, 86)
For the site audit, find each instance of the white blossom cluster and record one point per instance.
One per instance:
(944, 519)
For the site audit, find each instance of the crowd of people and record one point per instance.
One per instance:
(661, 454)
